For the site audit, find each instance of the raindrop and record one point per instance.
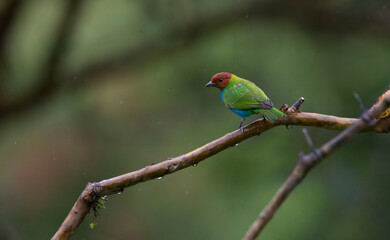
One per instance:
(187, 192)
(159, 178)
(54, 158)
(121, 102)
(247, 16)
(75, 78)
(15, 142)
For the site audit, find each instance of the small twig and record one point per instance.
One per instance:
(316, 151)
(297, 106)
(360, 101)
(308, 139)
(364, 116)
(307, 162)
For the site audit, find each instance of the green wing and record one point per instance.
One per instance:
(245, 95)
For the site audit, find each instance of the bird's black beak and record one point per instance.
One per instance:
(210, 84)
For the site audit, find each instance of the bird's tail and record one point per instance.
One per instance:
(273, 114)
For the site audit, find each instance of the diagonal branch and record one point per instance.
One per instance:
(7, 19)
(306, 162)
(46, 82)
(8, 15)
(96, 190)
(314, 16)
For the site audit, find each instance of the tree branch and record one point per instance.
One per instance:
(46, 82)
(313, 15)
(368, 120)
(7, 17)
(6, 20)
(96, 190)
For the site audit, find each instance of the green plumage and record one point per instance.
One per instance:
(244, 98)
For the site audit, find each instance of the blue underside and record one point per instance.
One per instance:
(241, 113)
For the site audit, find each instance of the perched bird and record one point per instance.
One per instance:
(243, 97)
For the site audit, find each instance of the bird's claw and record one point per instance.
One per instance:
(240, 127)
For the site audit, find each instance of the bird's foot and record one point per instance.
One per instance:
(240, 126)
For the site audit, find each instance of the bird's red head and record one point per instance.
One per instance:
(220, 80)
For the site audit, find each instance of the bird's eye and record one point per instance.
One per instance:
(221, 79)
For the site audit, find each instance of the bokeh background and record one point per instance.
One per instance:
(94, 89)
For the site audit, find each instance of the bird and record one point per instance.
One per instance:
(243, 97)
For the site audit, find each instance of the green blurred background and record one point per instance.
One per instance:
(120, 86)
